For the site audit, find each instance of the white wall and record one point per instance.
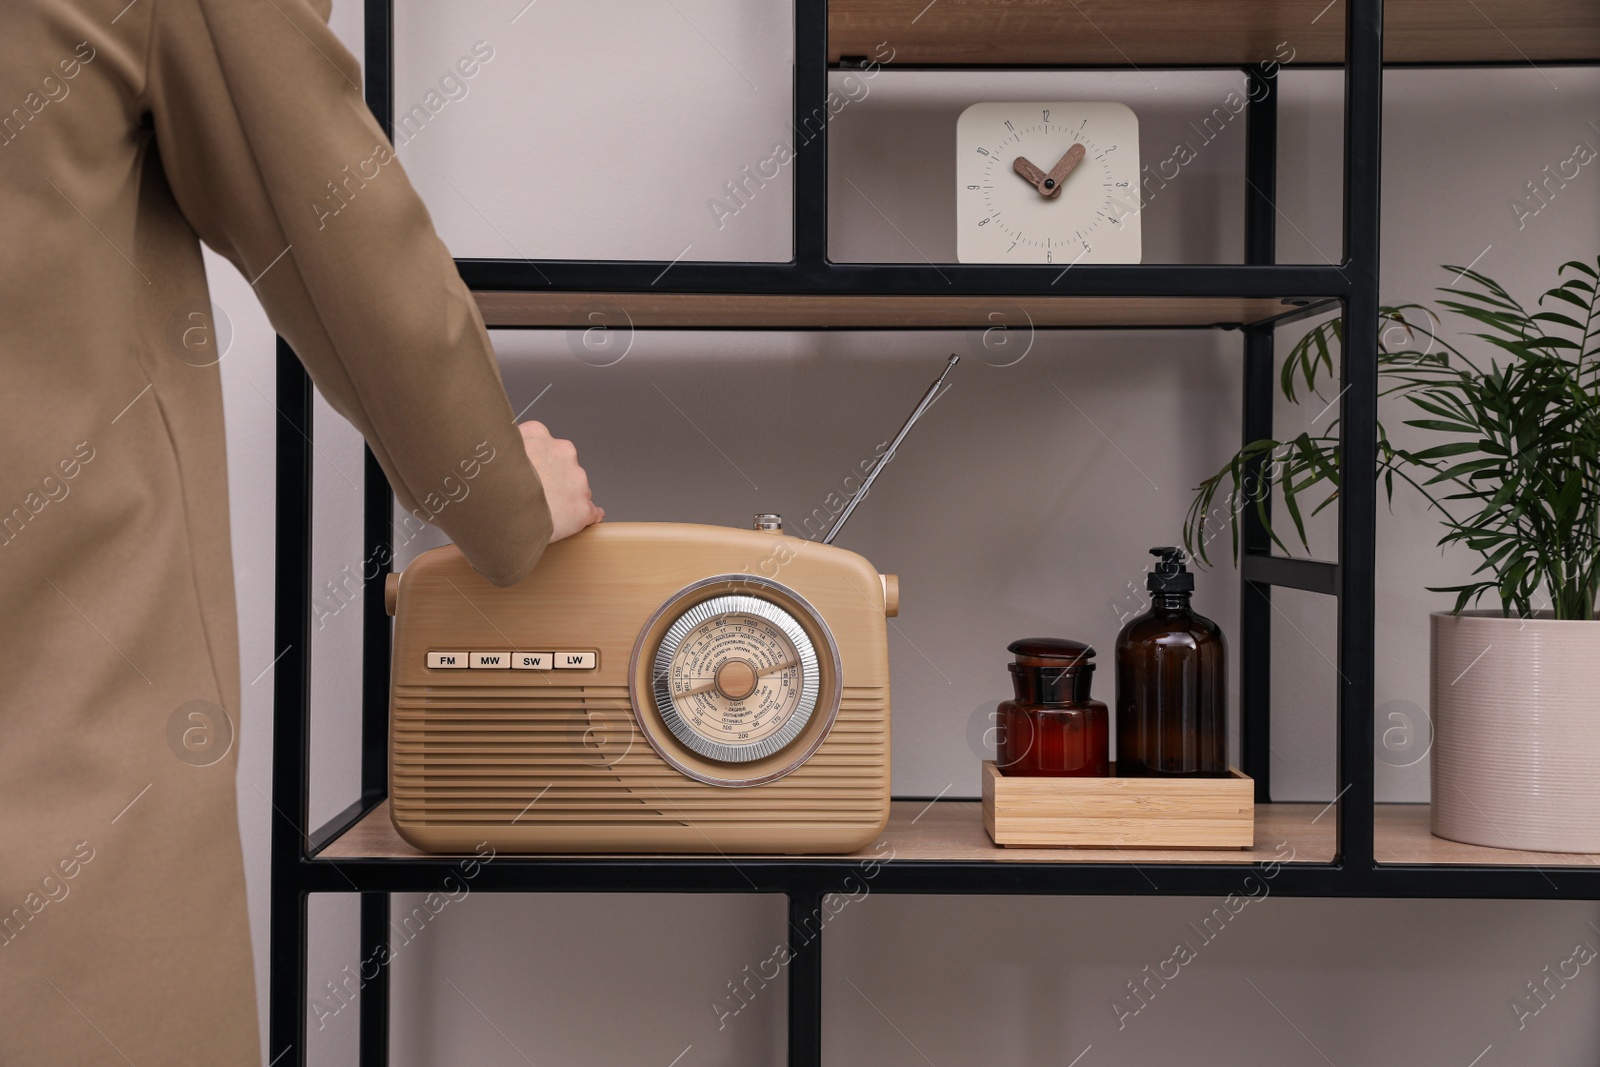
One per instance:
(601, 131)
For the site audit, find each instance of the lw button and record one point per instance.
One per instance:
(447, 661)
(576, 661)
(531, 661)
(491, 661)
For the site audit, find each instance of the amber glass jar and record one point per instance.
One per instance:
(1052, 727)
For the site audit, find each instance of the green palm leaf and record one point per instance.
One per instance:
(1521, 458)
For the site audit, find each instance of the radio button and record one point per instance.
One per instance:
(447, 661)
(531, 661)
(576, 661)
(491, 661)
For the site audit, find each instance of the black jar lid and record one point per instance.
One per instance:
(1053, 653)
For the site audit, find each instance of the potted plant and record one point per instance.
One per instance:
(1515, 479)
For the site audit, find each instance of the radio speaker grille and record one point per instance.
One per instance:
(574, 756)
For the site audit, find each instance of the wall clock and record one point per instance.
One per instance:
(1047, 182)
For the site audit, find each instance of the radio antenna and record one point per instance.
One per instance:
(883, 460)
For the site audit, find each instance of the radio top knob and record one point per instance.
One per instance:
(768, 521)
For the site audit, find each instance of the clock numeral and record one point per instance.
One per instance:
(1111, 148)
(1047, 114)
(983, 151)
(983, 222)
(972, 187)
(1009, 126)
(1122, 185)
(1049, 257)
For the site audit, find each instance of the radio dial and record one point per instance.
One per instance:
(736, 678)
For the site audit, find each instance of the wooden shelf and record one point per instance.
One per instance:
(781, 311)
(1401, 835)
(1198, 33)
(952, 831)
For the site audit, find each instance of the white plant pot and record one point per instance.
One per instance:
(1516, 731)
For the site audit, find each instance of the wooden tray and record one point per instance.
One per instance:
(1119, 812)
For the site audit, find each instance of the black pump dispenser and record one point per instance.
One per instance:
(1170, 575)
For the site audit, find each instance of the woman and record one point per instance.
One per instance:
(130, 132)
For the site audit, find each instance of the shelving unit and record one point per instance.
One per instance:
(1351, 847)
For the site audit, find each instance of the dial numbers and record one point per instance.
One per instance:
(1005, 214)
(735, 678)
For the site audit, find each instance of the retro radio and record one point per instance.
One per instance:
(656, 687)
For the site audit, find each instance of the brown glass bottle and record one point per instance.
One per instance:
(1052, 728)
(1172, 683)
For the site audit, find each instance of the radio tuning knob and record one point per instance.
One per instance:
(768, 521)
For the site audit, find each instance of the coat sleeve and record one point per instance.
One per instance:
(271, 153)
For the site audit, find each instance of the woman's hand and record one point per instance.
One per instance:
(566, 486)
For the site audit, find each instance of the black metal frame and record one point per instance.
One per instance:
(297, 872)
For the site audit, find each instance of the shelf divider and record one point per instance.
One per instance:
(806, 312)
(1144, 34)
(1255, 600)
(1358, 434)
(1261, 568)
(810, 146)
(291, 711)
(805, 977)
(1309, 281)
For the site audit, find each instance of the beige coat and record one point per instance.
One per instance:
(129, 132)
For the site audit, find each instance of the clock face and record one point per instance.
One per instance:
(1047, 182)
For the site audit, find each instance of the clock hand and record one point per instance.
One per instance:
(697, 690)
(1051, 186)
(1032, 174)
